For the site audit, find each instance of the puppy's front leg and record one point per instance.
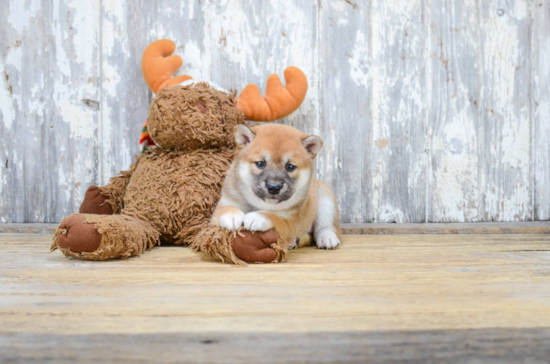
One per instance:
(263, 220)
(228, 217)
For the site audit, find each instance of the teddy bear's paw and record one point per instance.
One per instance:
(232, 220)
(256, 221)
(78, 235)
(95, 203)
(255, 247)
(327, 240)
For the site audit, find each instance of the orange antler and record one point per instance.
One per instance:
(158, 68)
(279, 101)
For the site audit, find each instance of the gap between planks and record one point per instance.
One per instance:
(530, 227)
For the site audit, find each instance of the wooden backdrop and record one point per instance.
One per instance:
(431, 110)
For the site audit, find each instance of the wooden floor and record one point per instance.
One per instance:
(379, 298)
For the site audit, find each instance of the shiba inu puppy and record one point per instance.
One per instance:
(270, 184)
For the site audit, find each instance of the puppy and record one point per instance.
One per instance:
(270, 184)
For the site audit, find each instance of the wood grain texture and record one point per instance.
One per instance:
(372, 283)
(124, 94)
(488, 346)
(345, 63)
(507, 124)
(540, 48)
(454, 111)
(429, 291)
(431, 110)
(48, 101)
(399, 157)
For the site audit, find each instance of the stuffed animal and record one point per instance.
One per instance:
(170, 192)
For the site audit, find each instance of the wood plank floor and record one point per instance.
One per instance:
(379, 298)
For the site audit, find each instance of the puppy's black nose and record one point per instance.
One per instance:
(274, 188)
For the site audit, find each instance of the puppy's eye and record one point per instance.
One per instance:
(290, 167)
(260, 164)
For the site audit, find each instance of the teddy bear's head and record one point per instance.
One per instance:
(188, 115)
(192, 116)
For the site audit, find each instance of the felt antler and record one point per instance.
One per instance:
(279, 101)
(158, 68)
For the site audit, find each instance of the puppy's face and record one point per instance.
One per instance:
(275, 163)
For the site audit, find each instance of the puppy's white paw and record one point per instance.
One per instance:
(327, 240)
(254, 221)
(232, 220)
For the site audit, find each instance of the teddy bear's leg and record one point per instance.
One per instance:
(95, 202)
(240, 247)
(109, 199)
(101, 237)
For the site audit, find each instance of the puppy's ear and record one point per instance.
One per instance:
(312, 144)
(243, 136)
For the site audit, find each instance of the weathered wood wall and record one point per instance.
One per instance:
(431, 110)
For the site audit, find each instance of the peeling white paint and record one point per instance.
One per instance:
(191, 12)
(507, 119)
(7, 110)
(342, 21)
(80, 119)
(468, 90)
(390, 214)
(21, 12)
(398, 160)
(541, 115)
(358, 60)
(9, 97)
(521, 10)
(232, 30)
(87, 36)
(338, 6)
(192, 60)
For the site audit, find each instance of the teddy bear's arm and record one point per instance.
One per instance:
(239, 247)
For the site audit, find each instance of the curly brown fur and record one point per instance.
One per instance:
(193, 116)
(121, 237)
(216, 243)
(281, 248)
(183, 193)
(115, 190)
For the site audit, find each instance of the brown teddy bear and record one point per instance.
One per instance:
(170, 192)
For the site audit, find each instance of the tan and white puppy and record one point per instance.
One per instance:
(270, 185)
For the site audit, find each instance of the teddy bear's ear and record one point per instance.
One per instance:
(158, 68)
(279, 101)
